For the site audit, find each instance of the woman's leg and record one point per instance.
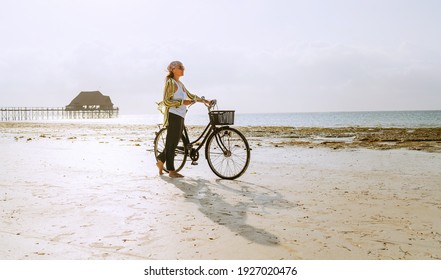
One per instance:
(160, 159)
(174, 133)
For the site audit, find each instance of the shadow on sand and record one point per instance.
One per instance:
(233, 216)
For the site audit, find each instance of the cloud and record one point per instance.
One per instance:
(256, 56)
(308, 76)
(325, 76)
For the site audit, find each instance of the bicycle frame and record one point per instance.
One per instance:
(209, 129)
(189, 145)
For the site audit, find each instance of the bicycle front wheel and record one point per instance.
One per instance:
(227, 153)
(180, 151)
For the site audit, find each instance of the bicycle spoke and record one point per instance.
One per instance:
(228, 153)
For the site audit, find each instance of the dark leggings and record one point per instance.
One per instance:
(174, 133)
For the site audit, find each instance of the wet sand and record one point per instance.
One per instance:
(91, 191)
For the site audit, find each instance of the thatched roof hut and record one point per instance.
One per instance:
(90, 100)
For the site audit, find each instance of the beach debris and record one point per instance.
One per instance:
(379, 138)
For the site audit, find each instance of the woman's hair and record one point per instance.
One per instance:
(170, 68)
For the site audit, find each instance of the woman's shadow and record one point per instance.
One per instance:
(214, 207)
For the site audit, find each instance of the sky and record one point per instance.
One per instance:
(261, 56)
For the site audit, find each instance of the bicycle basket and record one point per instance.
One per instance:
(222, 117)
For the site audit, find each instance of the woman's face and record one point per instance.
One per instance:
(178, 71)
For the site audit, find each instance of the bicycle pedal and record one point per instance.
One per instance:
(194, 163)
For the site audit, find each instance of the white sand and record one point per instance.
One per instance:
(91, 192)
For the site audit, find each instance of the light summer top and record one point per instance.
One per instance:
(179, 95)
(168, 102)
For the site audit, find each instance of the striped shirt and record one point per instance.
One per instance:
(169, 102)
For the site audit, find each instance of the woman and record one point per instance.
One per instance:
(174, 107)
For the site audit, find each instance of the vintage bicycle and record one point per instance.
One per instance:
(226, 149)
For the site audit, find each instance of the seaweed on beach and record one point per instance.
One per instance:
(424, 139)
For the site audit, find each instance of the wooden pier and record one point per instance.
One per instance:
(38, 113)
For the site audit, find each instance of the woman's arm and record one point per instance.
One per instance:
(189, 94)
(195, 98)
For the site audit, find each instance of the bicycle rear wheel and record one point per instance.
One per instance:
(180, 151)
(227, 153)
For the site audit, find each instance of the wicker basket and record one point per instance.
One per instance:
(222, 117)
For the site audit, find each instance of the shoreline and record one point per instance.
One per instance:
(426, 139)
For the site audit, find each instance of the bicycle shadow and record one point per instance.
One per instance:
(214, 207)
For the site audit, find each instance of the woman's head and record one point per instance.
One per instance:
(175, 69)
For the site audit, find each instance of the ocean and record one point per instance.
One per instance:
(411, 119)
(324, 119)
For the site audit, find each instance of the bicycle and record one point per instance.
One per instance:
(227, 150)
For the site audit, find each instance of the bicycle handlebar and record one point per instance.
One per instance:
(210, 105)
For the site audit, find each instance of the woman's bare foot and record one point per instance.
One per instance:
(174, 174)
(160, 166)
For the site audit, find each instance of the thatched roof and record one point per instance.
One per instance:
(91, 99)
